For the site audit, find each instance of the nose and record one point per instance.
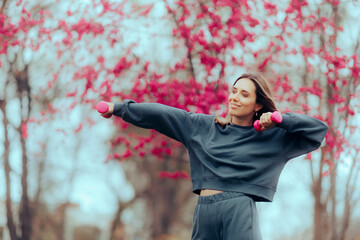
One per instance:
(233, 97)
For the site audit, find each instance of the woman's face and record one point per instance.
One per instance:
(242, 99)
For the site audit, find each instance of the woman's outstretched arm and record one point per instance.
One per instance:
(172, 122)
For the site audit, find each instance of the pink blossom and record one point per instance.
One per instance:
(252, 21)
(78, 128)
(168, 151)
(262, 66)
(307, 51)
(175, 175)
(147, 10)
(127, 154)
(333, 2)
(84, 27)
(120, 66)
(141, 154)
(325, 174)
(24, 130)
(271, 8)
(306, 107)
(90, 74)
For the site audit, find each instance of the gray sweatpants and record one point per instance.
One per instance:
(226, 216)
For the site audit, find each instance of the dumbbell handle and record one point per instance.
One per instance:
(275, 117)
(103, 107)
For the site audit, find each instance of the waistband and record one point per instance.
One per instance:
(220, 197)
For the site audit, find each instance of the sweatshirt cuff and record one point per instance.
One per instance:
(117, 108)
(286, 122)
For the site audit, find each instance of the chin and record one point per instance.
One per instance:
(238, 115)
(233, 113)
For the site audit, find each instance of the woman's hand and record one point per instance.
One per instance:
(110, 110)
(266, 122)
(221, 121)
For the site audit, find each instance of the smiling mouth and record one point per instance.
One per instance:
(234, 106)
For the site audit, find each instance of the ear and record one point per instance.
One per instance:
(258, 107)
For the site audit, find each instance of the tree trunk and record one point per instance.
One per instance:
(321, 226)
(116, 222)
(25, 211)
(318, 210)
(346, 221)
(24, 91)
(333, 204)
(9, 214)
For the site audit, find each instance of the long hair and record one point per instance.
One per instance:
(264, 96)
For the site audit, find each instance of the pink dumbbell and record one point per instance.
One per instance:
(275, 117)
(103, 107)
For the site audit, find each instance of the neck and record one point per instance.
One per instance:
(248, 121)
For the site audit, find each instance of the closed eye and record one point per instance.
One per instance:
(244, 92)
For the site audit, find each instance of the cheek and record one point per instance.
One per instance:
(249, 102)
(246, 100)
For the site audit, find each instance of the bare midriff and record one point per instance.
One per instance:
(209, 192)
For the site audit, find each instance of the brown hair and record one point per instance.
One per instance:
(264, 96)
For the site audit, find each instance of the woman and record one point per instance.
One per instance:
(232, 165)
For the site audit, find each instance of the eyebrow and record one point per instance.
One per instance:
(241, 90)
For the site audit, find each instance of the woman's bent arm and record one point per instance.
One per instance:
(303, 134)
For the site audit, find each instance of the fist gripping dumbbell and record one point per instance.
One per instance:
(275, 117)
(103, 107)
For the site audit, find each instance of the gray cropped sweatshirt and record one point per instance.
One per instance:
(231, 158)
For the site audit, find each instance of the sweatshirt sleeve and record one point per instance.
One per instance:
(170, 121)
(303, 134)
